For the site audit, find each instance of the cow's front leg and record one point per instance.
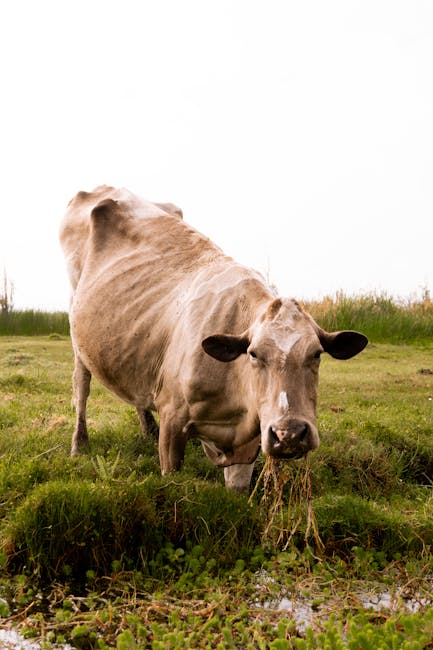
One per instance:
(238, 477)
(172, 442)
(81, 386)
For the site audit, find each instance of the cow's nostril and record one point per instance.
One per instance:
(303, 432)
(276, 435)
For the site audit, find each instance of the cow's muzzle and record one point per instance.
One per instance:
(293, 439)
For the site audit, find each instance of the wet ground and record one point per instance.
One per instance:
(306, 610)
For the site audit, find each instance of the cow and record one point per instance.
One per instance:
(170, 324)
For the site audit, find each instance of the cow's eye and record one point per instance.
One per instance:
(317, 354)
(254, 357)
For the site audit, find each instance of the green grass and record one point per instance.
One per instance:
(102, 551)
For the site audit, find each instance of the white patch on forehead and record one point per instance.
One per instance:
(283, 401)
(285, 341)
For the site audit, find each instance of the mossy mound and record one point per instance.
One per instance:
(66, 529)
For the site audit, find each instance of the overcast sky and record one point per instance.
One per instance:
(298, 135)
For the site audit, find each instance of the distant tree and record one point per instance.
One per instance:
(6, 295)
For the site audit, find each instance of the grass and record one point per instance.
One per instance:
(101, 551)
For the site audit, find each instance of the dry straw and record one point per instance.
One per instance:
(287, 511)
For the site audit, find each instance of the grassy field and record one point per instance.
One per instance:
(101, 551)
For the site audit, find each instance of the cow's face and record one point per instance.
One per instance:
(283, 349)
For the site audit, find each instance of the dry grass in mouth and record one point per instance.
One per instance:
(287, 510)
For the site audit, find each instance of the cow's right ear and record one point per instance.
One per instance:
(225, 347)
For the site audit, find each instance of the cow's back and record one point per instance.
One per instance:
(75, 227)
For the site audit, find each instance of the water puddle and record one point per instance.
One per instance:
(302, 613)
(305, 610)
(10, 639)
(385, 600)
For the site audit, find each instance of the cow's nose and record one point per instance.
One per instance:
(291, 438)
(296, 433)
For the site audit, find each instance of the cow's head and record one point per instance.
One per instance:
(283, 348)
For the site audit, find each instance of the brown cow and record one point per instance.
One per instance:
(169, 323)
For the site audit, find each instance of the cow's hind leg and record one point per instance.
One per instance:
(148, 423)
(172, 442)
(81, 387)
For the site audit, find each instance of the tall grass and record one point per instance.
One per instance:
(381, 317)
(31, 322)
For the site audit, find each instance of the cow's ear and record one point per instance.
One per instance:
(343, 345)
(225, 347)
(107, 221)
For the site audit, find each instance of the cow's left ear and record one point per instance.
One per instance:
(225, 347)
(343, 345)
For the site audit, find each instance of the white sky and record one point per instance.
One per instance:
(298, 135)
